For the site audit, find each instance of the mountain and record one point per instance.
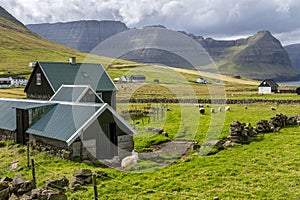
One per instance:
(19, 46)
(260, 56)
(294, 53)
(80, 35)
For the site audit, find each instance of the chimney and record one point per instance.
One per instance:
(72, 60)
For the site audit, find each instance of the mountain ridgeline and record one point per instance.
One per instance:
(80, 35)
(257, 57)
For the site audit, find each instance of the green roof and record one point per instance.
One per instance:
(63, 121)
(60, 73)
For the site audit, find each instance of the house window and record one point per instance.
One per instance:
(38, 79)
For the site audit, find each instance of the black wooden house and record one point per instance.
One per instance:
(48, 77)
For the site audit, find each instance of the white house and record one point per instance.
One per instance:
(18, 81)
(268, 86)
(5, 82)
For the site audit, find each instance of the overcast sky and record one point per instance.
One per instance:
(221, 19)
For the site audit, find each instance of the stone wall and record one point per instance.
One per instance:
(54, 147)
(125, 145)
(209, 101)
(8, 135)
(242, 133)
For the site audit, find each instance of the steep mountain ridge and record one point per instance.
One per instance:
(81, 35)
(294, 53)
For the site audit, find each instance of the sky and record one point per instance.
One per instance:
(219, 19)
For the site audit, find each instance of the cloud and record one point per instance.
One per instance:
(220, 18)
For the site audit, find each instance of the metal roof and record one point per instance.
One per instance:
(8, 113)
(268, 83)
(70, 94)
(63, 121)
(74, 93)
(59, 73)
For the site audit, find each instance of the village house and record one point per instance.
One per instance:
(268, 86)
(14, 81)
(75, 120)
(137, 79)
(47, 78)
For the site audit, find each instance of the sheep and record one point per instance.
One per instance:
(273, 108)
(220, 109)
(245, 107)
(207, 105)
(212, 110)
(130, 160)
(202, 111)
(227, 108)
(200, 105)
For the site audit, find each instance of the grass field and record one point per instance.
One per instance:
(267, 168)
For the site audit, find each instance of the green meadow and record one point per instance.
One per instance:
(267, 168)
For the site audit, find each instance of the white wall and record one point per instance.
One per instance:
(264, 90)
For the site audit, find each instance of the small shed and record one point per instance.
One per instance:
(268, 86)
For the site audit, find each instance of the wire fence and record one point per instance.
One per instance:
(42, 166)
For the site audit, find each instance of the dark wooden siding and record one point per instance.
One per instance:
(34, 91)
(109, 97)
(22, 126)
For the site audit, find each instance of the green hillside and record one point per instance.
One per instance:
(19, 46)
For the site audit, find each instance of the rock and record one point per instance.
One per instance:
(75, 183)
(65, 154)
(13, 197)
(56, 196)
(59, 184)
(82, 173)
(4, 193)
(100, 175)
(88, 162)
(6, 179)
(4, 185)
(195, 146)
(25, 187)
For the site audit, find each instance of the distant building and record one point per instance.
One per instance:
(201, 81)
(268, 86)
(287, 90)
(18, 81)
(5, 82)
(137, 78)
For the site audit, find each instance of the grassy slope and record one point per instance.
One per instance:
(19, 46)
(265, 169)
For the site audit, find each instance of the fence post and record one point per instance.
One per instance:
(33, 172)
(95, 187)
(28, 164)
